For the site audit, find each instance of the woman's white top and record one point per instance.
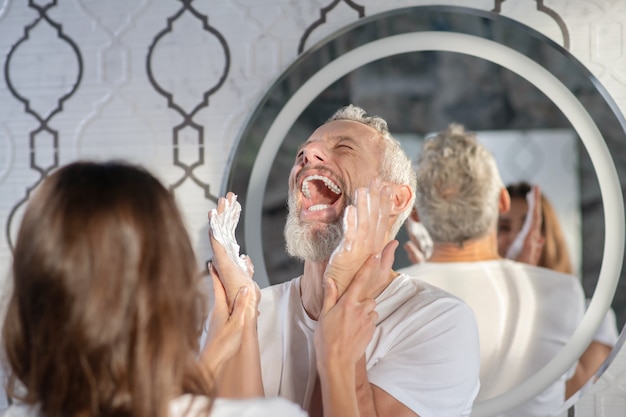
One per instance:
(195, 406)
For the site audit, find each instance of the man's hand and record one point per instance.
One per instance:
(366, 225)
(234, 271)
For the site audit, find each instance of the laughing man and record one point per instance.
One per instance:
(423, 359)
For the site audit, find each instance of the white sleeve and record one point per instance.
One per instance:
(433, 362)
(271, 407)
(607, 332)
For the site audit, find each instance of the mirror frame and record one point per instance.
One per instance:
(455, 29)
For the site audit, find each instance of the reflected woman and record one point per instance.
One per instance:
(554, 255)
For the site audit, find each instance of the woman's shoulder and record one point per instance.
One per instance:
(21, 410)
(193, 406)
(256, 407)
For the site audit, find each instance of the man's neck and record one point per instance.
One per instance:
(481, 249)
(311, 287)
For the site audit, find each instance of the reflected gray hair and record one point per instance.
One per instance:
(458, 187)
(395, 165)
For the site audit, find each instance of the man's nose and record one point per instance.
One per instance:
(313, 153)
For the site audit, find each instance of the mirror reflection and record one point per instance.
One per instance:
(420, 93)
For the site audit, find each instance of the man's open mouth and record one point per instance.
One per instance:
(321, 191)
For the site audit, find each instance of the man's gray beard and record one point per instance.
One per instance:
(310, 242)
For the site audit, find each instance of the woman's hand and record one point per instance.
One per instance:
(234, 271)
(366, 226)
(532, 245)
(420, 246)
(346, 323)
(226, 325)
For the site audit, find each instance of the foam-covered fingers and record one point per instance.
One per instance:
(223, 201)
(233, 213)
(249, 265)
(216, 212)
(216, 246)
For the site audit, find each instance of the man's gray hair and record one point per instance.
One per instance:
(395, 165)
(458, 187)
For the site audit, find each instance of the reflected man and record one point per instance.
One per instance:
(526, 314)
(424, 357)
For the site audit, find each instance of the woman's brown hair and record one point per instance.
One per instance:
(106, 305)
(554, 254)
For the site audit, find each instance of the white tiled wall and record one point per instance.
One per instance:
(170, 83)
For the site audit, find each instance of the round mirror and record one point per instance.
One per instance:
(422, 68)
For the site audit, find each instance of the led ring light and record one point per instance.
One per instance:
(542, 79)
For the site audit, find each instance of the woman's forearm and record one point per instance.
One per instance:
(337, 380)
(240, 377)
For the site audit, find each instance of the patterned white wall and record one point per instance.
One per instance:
(169, 84)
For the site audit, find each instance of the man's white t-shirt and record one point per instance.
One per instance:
(196, 406)
(526, 315)
(424, 351)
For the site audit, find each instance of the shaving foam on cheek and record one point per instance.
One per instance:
(223, 226)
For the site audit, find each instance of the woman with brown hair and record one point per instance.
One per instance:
(553, 254)
(107, 306)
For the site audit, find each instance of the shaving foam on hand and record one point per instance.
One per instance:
(518, 243)
(223, 226)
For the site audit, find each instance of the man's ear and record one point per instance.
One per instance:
(504, 204)
(402, 197)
